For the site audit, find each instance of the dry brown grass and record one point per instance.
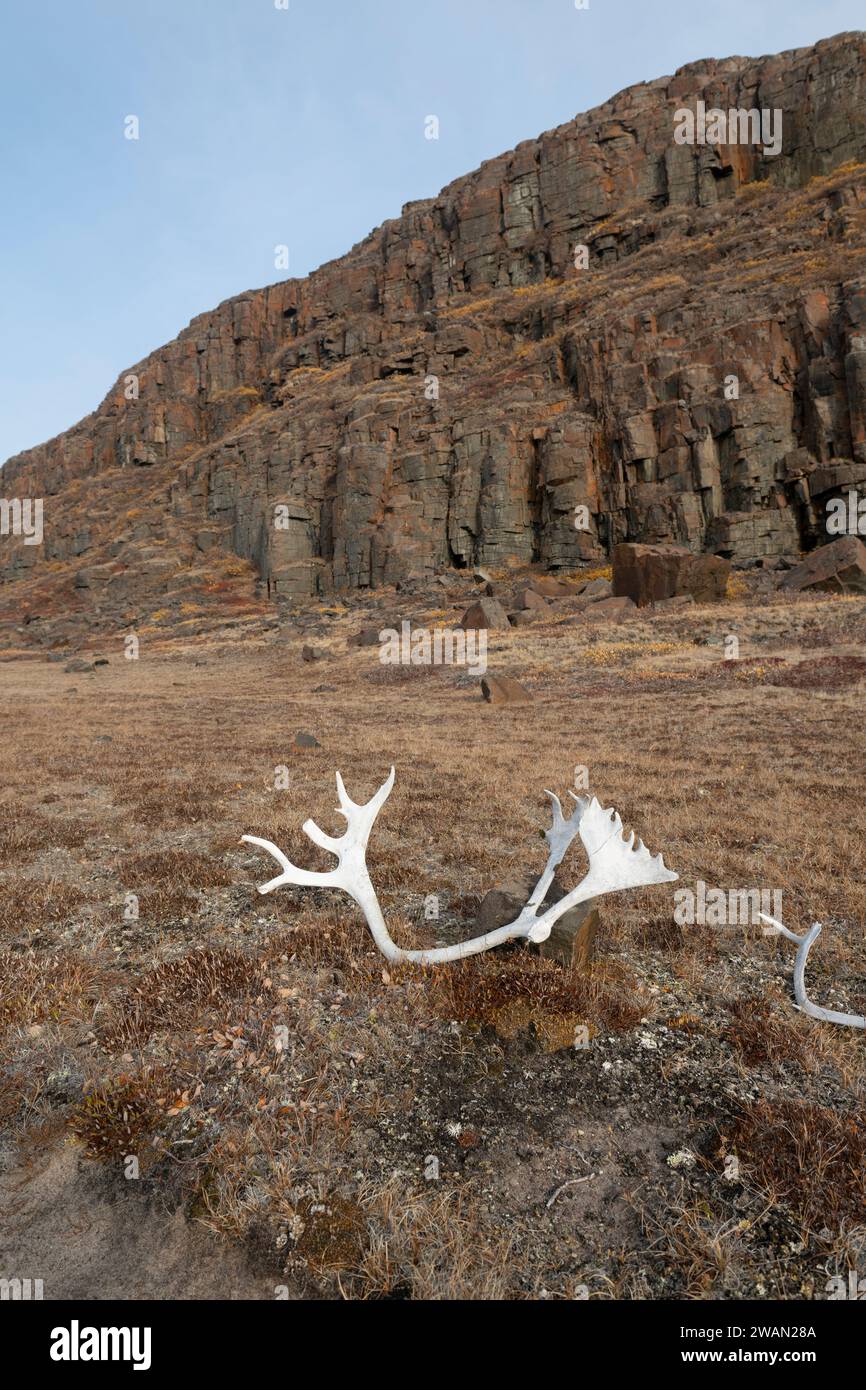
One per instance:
(27, 903)
(121, 1117)
(511, 994)
(764, 1036)
(702, 1245)
(165, 907)
(38, 987)
(176, 992)
(808, 1156)
(175, 869)
(21, 840)
(428, 1246)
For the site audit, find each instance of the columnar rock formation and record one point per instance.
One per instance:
(456, 390)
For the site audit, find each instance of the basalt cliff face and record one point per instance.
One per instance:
(459, 390)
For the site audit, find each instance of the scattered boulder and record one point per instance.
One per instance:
(78, 665)
(648, 573)
(531, 600)
(485, 613)
(504, 690)
(572, 940)
(548, 587)
(306, 741)
(664, 605)
(367, 637)
(839, 567)
(597, 589)
(311, 653)
(522, 617)
(610, 610)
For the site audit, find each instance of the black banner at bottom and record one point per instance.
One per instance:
(63, 1339)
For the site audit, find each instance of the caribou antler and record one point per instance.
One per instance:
(614, 864)
(805, 944)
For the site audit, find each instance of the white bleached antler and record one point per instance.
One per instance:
(805, 944)
(614, 863)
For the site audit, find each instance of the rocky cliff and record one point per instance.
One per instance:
(464, 388)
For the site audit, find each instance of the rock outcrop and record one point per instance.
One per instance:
(457, 391)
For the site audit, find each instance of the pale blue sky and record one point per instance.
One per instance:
(262, 126)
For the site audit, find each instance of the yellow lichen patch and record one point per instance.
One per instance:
(612, 653)
(645, 673)
(748, 192)
(736, 587)
(581, 576)
(462, 310)
(233, 391)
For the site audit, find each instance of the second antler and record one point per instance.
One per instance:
(804, 1003)
(614, 864)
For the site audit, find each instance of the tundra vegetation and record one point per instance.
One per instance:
(332, 1123)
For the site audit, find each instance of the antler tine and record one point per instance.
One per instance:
(358, 816)
(385, 790)
(558, 837)
(349, 808)
(346, 809)
(302, 878)
(777, 929)
(317, 835)
(616, 862)
(558, 817)
(348, 849)
(563, 826)
(346, 802)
